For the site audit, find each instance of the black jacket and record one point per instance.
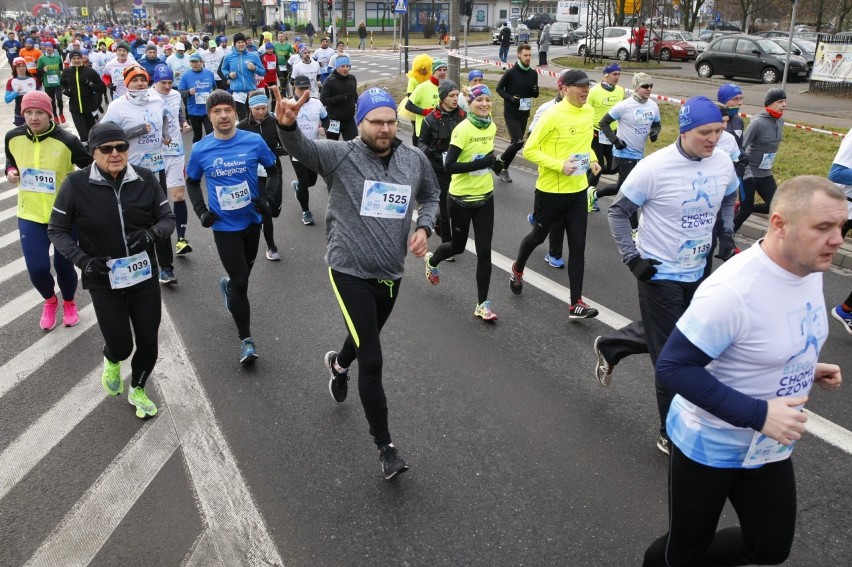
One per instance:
(105, 213)
(339, 95)
(505, 37)
(435, 135)
(268, 130)
(83, 87)
(514, 85)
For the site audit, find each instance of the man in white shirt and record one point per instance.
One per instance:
(308, 67)
(113, 73)
(741, 362)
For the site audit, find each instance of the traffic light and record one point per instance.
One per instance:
(330, 5)
(468, 8)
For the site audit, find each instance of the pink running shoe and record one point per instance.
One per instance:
(69, 314)
(48, 314)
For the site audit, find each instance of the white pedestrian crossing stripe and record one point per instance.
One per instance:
(234, 532)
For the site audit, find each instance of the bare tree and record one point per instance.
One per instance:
(841, 10)
(690, 10)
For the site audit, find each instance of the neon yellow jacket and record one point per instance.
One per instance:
(563, 131)
(56, 151)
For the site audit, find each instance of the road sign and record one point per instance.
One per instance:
(400, 7)
(718, 17)
(84, 11)
(140, 13)
(294, 6)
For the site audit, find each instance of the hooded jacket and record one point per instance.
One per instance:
(235, 62)
(364, 246)
(339, 95)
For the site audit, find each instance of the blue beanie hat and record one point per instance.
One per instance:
(372, 99)
(697, 111)
(727, 92)
(342, 60)
(475, 74)
(612, 68)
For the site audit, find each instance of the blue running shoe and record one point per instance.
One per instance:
(225, 288)
(167, 276)
(247, 351)
(531, 218)
(844, 317)
(554, 261)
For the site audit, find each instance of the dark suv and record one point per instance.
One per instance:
(538, 20)
(748, 56)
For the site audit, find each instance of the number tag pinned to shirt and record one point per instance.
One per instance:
(173, 149)
(767, 162)
(334, 126)
(479, 171)
(201, 98)
(385, 200)
(764, 450)
(692, 252)
(282, 68)
(52, 80)
(240, 97)
(525, 104)
(270, 65)
(153, 161)
(38, 180)
(128, 271)
(233, 197)
(582, 161)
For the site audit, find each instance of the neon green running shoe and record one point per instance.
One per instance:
(111, 378)
(144, 406)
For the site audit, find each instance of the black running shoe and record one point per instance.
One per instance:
(516, 281)
(392, 463)
(581, 310)
(338, 383)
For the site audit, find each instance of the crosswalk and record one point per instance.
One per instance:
(233, 533)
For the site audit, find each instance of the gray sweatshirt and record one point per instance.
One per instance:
(762, 137)
(366, 247)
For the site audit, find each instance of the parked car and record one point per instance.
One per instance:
(724, 26)
(710, 35)
(748, 56)
(689, 38)
(520, 33)
(615, 42)
(801, 47)
(580, 32)
(538, 20)
(671, 47)
(561, 33)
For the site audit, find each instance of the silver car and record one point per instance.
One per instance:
(614, 42)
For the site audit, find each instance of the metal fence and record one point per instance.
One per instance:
(832, 71)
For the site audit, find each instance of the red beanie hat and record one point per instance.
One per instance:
(37, 99)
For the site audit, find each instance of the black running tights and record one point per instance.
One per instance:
(197, 123)
(306, 179)
(482, 219)
(763, 498)
(763, 186)
(366, 306)
(129, 314)
(237, 251)
(517, 127)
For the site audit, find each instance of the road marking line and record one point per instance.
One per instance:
(819, 427)
(9, 238)
(90, 523)
(33, 357)
(8, 193)
(25, 452)
(18, 306)
(203, 553)
(12, 269)
(6, 214)
(238, 532)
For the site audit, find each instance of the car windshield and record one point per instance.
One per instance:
(806, 45)
(687, 36)
(770, 47)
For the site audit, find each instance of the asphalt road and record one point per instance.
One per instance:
(518, 455)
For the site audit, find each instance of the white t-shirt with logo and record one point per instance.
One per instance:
(764, 327)
(844, 158)
(115, 69)
(171, 109)
(310, 70)
(309, 118)
(145, 150)
(634, 125)
(680, 199)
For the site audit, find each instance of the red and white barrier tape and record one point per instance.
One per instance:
(663, 98)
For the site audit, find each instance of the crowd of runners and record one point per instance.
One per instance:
(113, 202)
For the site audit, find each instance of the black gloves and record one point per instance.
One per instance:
(743, 159)
(95, 268)
(727, 248)
(263, 207)
(208, 218)
(653, 135)
(619, 143)
(485, 161)
(498, 166)
(643, 268)
(138, 241)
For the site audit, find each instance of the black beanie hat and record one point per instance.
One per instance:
(445, 88)
(239, 36)
(103, 132)
(218, 97)
(774, 95)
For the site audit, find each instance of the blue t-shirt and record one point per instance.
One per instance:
(203, 82)
(230, 167)
(12, 48)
